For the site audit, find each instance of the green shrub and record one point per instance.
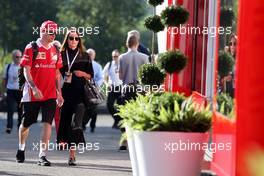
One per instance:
(227, 16)
(174, 16)
(225, 105)
(172, 61)
(150, 74)
(155, 2)
(151, 114)
(154, 23)
(166, 100)
(225, 63)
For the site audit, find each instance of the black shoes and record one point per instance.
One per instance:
(43, 161)
(8, 130)
(115, 126)
(92, 130)
(72, 162)
(20, 156)
(122, 147)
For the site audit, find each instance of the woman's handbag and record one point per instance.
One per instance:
(93, 93)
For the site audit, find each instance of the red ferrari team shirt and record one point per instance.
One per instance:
(43, 71)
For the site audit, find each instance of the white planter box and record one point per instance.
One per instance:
(132, 151)
(166, 153)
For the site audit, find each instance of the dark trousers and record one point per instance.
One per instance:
(13, 104)
(112, 98)
(129, 93)
(70, 128)
(90, 113)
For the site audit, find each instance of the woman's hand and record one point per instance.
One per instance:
(79, 74)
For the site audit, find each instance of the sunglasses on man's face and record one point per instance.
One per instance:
(18, 57)
(51, 33)
(74, 38)
(115, 56)
(232, 43)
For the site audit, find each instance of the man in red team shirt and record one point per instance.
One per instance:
(41, 89)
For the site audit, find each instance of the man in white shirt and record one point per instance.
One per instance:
(114, 85)
(10, 81)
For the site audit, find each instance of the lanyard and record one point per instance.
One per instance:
(68, 60)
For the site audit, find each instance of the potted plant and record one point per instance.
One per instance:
(155, 3)
(172, 61)
(225, 67)
(227, 16)
(154, 23)
(225, 105)
(157, 125)
(151, 75)
(225, 63)
(174, 16)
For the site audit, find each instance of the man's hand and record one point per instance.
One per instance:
(60, 100)
(37, 93)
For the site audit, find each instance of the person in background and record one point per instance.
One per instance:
(228, 81)
(114, 85)
(130, 62)
(141, 47)
(14, 95)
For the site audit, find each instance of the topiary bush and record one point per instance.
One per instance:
(154, 23)
(172, 61)
(155, 2)
(150, 74)
(225, 63)
(174, 16)
(227, 16)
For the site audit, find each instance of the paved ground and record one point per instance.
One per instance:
(107, 161)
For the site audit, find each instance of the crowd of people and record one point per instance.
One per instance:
(54, 78)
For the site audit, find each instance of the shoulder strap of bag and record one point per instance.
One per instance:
(34, 50)
(110, 63)
(57, 52)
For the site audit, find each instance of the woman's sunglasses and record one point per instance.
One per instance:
(232, 43)
(74, 38)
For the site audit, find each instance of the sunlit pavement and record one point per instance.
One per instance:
(107, 161)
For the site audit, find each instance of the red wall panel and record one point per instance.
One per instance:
(249, 83)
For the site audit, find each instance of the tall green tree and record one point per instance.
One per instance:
(114, 19)
(19, 17)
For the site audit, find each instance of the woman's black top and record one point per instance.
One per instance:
(74, 91)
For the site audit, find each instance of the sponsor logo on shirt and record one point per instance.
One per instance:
(45, 66)
(41, 55)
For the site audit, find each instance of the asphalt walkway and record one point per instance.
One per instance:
(100, 157)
